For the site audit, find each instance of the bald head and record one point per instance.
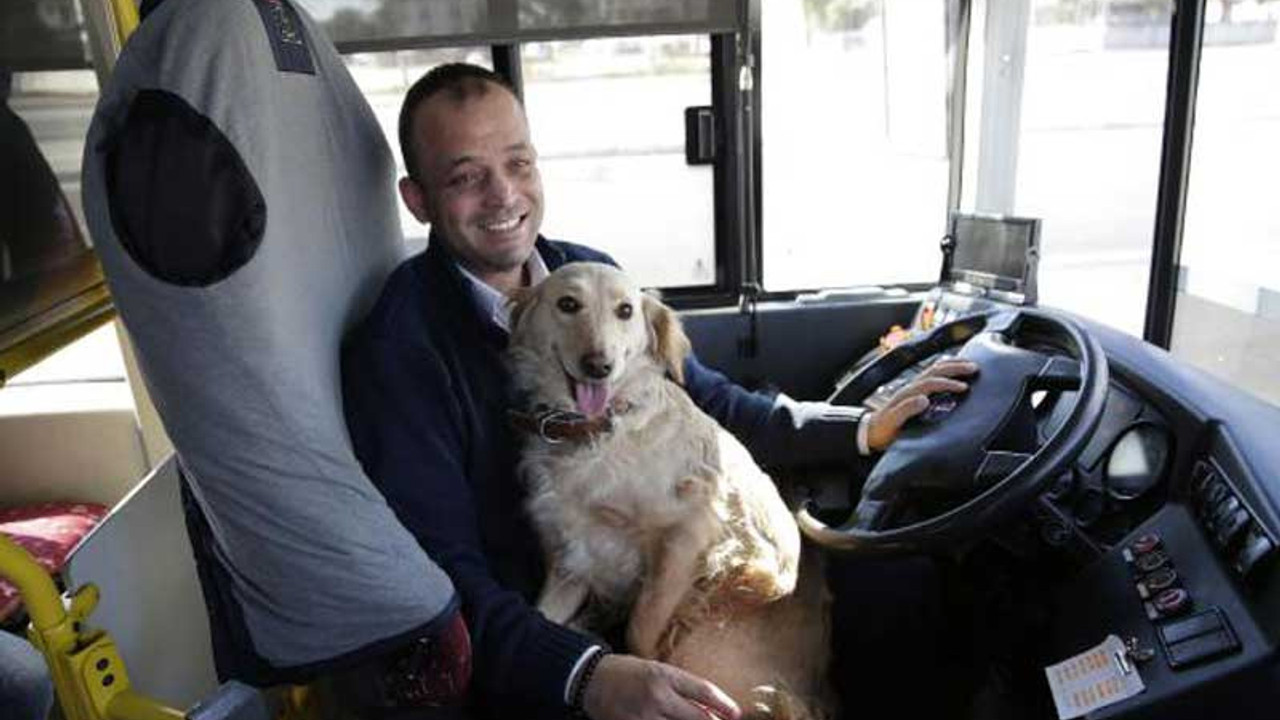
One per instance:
(453, 83)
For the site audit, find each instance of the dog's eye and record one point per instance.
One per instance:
(625, 310)
(568, 305)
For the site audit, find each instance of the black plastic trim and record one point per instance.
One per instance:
(506, 62)
(1185, 38)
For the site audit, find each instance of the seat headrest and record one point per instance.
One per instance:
(241, 197)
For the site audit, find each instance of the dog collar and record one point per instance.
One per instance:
(558, 426)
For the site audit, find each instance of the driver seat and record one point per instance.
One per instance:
(241, 198)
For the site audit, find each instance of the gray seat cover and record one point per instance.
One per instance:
(244, 369)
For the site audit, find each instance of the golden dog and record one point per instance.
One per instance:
(648, 510)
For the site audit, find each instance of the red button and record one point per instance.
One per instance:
(1145, 544)
(1172, 601)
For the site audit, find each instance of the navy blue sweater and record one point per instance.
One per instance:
(426, 392)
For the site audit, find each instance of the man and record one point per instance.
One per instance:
(26, 692)
(426, 395)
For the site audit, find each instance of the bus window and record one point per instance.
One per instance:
(49, 277)
(1227, 316)
(854, 153)
(607, 116)
(1064, 122)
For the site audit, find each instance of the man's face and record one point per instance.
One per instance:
(479, 185)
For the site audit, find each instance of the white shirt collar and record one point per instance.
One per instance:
(494, 302)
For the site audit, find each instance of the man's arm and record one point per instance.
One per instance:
(782, 432)
(779, 431)
(405, 427)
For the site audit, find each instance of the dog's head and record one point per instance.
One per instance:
(586, 332)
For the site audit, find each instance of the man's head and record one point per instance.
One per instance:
(472, 169)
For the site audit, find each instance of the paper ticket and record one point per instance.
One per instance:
(1095, 678)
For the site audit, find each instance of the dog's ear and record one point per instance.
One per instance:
(519, 302)
(667, 341)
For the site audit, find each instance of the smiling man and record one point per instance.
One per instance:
(426, 392)
(473, 176)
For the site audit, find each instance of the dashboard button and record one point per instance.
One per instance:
(1201, 647)
(1215, 492)
(1151, 561)
(1230, 529)
(1172, 601)
(1191, 626)
(1223, 511)
(1200, 476)
(1145, 544)
(1160, 579)
(1256, 547)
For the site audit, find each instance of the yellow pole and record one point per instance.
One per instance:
(129, 705)
(52, 631)
(36, 588)
(126, 15)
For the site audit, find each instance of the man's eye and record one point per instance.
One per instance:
(625, 311)
(568, 305)
(462, 180)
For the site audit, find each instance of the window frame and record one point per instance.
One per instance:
(738, 187)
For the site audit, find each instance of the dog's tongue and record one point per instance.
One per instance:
(592, 398)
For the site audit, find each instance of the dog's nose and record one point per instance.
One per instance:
(596, 365)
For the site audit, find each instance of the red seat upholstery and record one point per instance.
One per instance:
(49, 531)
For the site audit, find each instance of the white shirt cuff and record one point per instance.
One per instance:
(577, 669)
(863, 428)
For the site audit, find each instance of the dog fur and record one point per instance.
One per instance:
(663, 520)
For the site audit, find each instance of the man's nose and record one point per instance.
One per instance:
(501, 189)
(596, 365)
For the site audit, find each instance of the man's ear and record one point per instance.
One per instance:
(519, 302)
(667, 342)
(415, 198)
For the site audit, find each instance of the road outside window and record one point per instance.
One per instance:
(854, 128)
(1227, 319)
(1068, 105)
(607, 117)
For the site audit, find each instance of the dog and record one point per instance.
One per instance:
(648, 511)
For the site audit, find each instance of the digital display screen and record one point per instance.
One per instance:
(991, 246)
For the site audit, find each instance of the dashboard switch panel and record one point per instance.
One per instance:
(1227, 521)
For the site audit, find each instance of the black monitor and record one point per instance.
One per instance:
(997, 253)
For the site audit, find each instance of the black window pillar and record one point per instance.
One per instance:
(1185, 38)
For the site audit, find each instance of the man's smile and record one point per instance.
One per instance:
(503, 224)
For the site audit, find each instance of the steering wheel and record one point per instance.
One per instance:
(980, 451)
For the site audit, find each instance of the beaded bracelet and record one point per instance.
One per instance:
(584, 679)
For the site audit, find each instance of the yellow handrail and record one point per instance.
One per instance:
(88, 674)
(34, 585)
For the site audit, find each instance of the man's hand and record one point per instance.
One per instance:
(625, 687)
(883, 425)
